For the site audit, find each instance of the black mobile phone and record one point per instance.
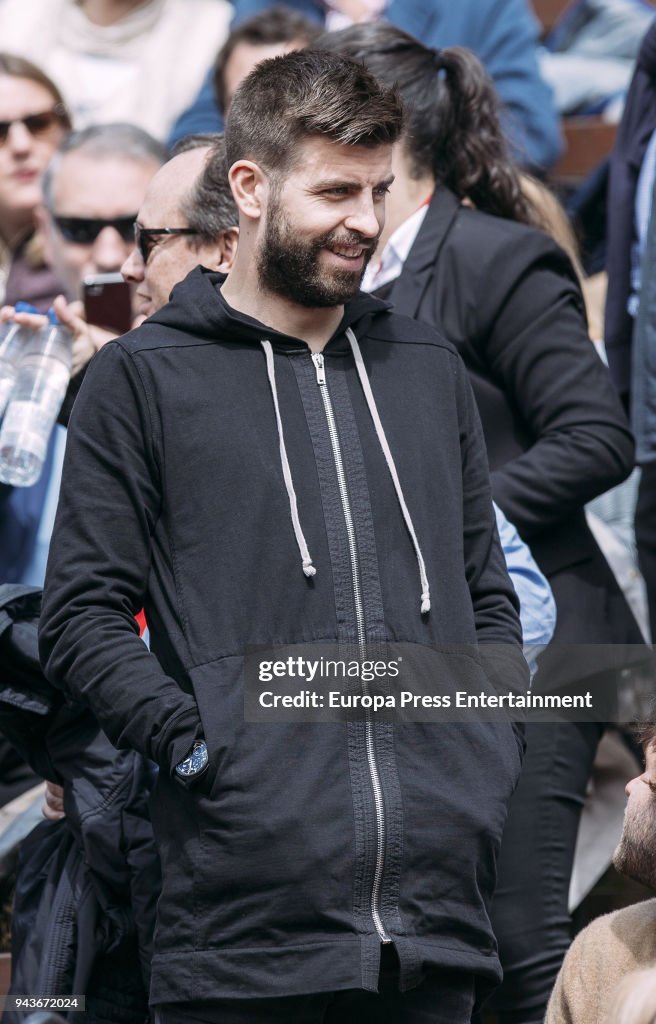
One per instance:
(108, 302)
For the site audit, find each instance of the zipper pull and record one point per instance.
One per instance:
(317, 359)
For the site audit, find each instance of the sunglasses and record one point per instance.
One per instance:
(38, 125)
(85, 230)
(146, 238)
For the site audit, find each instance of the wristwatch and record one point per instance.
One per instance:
(194, 763)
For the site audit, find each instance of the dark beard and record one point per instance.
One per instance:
(289, 267)
(635, 855)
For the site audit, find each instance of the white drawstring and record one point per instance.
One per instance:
(371, 403)
(308, 567)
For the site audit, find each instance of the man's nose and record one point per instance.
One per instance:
(133, 267)
(109, 250)
(631, 785)
(365, 218)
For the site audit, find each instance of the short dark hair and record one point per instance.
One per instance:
(209, 207)
(276, 25)
(452, 127)
(308, 93)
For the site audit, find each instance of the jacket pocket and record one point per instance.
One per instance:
(276, 848)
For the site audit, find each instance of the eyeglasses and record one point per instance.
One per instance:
(144, 238)
(38, 125)
(85, 230)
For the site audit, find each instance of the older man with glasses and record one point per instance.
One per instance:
(92, 190)
(188, 217)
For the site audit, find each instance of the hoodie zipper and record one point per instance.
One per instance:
(374, 775)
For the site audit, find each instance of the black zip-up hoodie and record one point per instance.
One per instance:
(278, 878)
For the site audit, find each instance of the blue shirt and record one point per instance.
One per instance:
(537, 608)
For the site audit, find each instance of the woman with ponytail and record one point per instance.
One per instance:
(454, 129)
(461, 249)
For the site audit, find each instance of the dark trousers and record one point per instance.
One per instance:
(645, 532)
(444, 997)
(529, 912)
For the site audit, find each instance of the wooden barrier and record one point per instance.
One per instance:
(588, 141)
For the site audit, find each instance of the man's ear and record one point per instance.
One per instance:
(226, 249)
(249, 186)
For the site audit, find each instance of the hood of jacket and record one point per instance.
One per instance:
(198, 307)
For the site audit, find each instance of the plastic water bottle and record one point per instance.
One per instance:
(43, 375)
(12, 339)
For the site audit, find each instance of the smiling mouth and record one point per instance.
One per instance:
(349, 252)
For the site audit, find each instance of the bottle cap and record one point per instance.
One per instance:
(25, 307)
(52, 317)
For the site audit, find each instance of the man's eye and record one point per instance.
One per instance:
(338, 190)
(382, 190)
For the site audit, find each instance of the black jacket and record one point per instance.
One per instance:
(556, 435)
(84, 909)
(173, 498)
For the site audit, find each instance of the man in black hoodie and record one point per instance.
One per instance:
(275, 459)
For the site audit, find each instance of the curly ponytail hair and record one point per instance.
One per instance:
(470, 153)
(451, 115)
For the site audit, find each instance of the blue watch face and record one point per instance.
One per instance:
(194, 762)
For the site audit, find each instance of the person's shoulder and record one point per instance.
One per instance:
(395, 328)
(153, 336)
(501, 231)
(504, 248)
(627, 934)
(635, 922)
(594, 964)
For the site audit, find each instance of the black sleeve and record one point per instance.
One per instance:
(494, 600)
(495, 603)
(536, 346)
(99, 565)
